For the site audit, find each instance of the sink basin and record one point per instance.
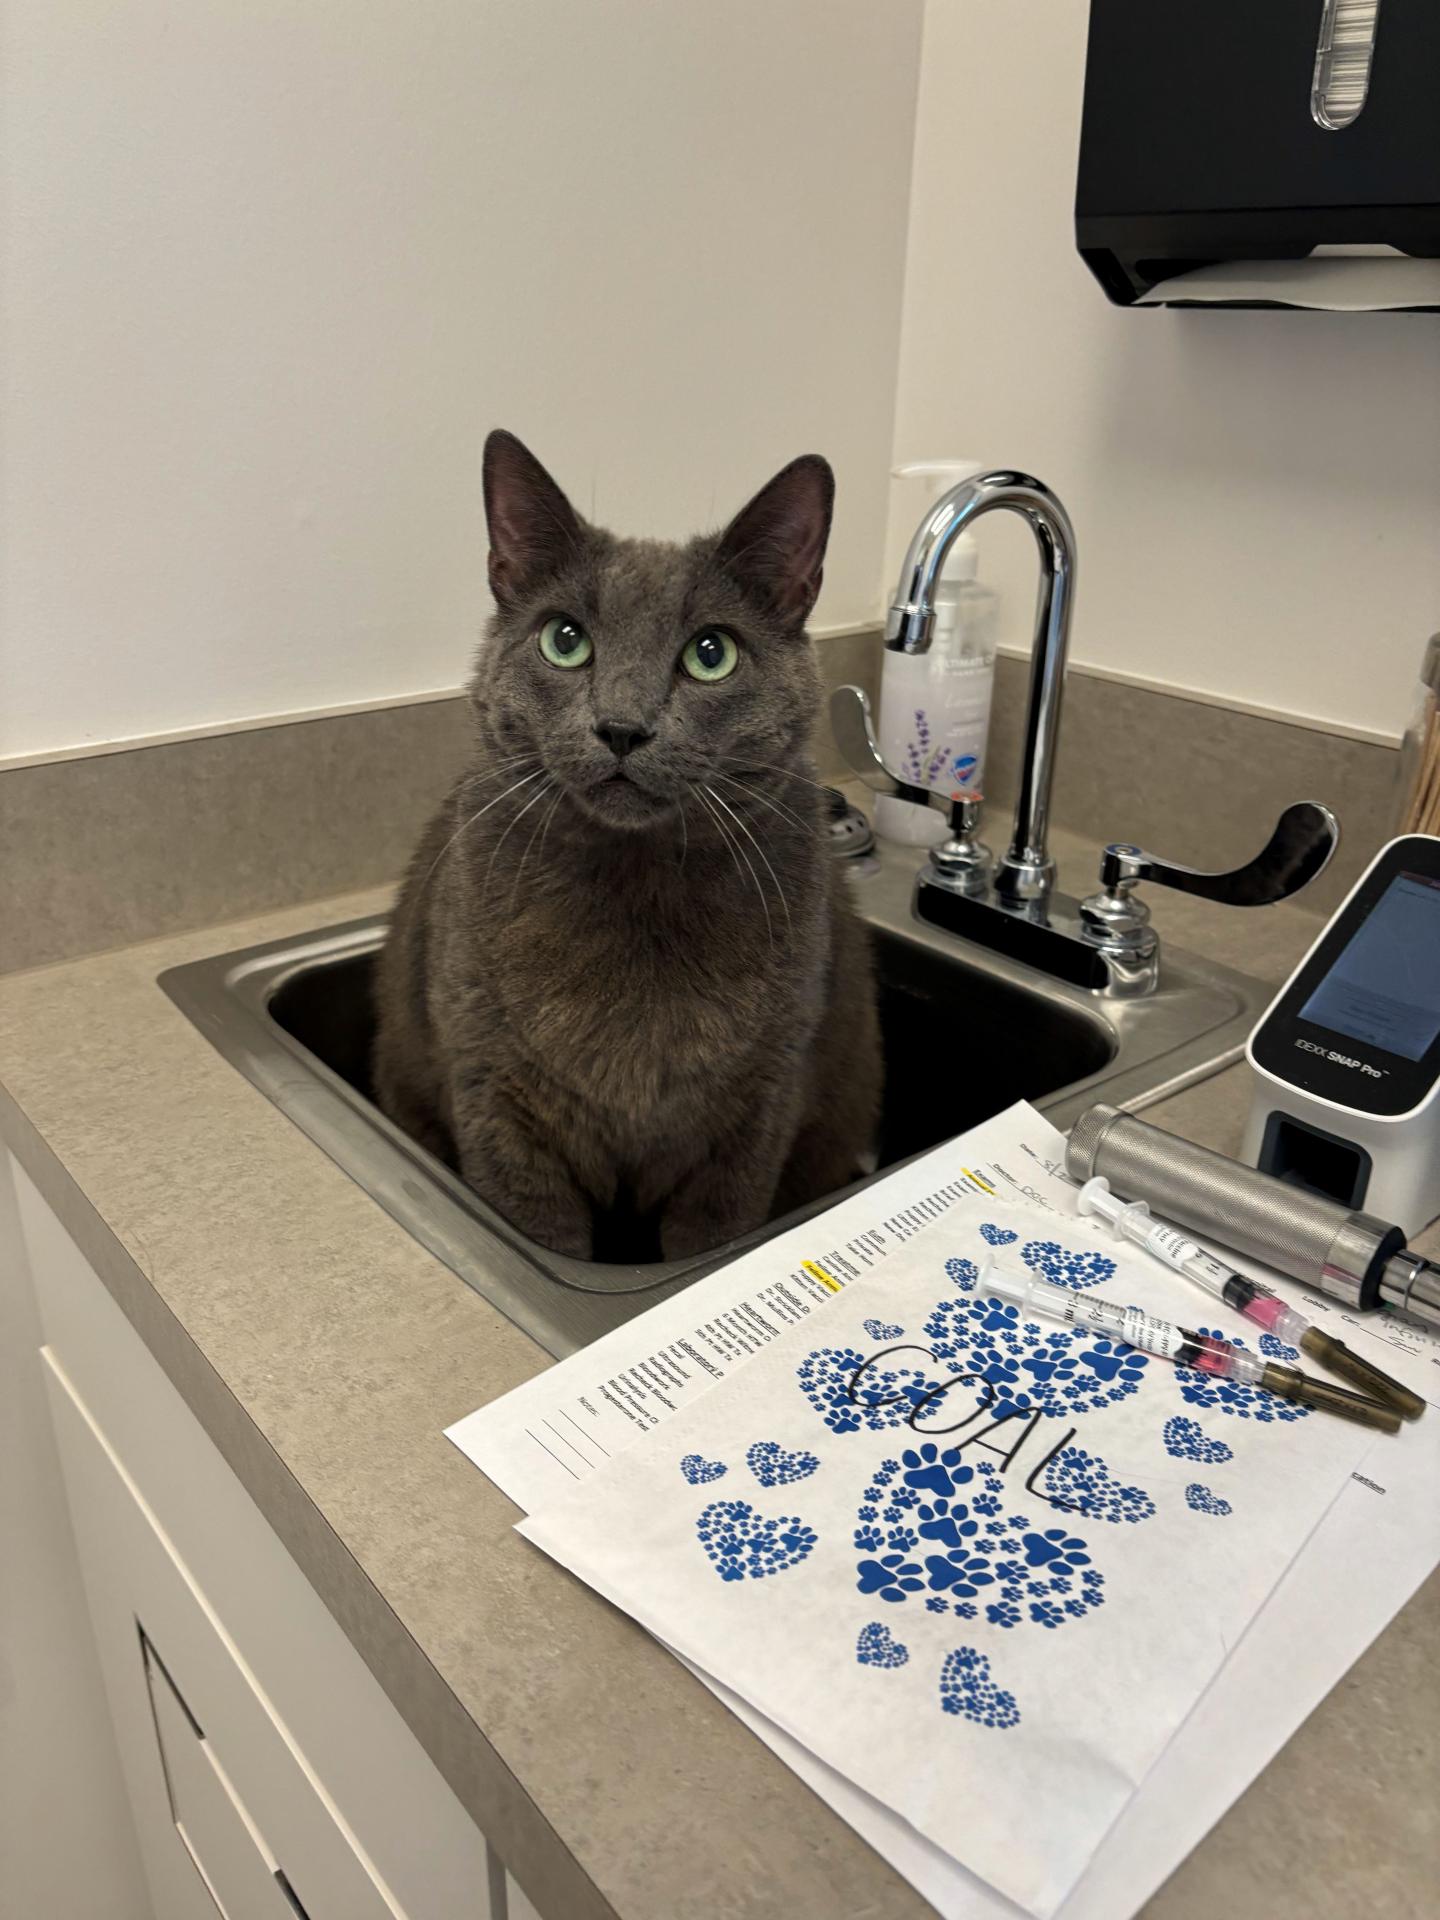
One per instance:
(966, 1033)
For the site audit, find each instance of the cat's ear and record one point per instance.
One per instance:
(534, 529)
(775, 546)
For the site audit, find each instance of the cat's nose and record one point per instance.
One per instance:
(622, 736)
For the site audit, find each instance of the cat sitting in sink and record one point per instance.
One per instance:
(624, 980)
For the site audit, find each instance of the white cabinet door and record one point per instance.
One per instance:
(142, 1594)
(321, 1772)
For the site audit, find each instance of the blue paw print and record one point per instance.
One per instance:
(1066, 1267)
(886, 1396)
(742, 1545)
(1046, 1614)
(961, 1575)
(892, 1578)
(1274, 1348)
(700, 1471)
(775, 1466)
(964, 1557)
(997, 1236)
(967, 1689)
(1234, 1397)
(1187, 1440)
(1084, 1481)
(882, 1330)
(1029, 1367)
(950, 1527)
(878, 1647)
(963, 1273)
(1113, 1360)
(1201, 1500)
(928, 1470)
(1057, 1546)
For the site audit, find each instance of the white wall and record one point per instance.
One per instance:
(1256, 495)
(272, 270)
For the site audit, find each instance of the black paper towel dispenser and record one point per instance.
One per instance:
(1224, 141)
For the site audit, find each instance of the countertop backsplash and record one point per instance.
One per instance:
(108, 849)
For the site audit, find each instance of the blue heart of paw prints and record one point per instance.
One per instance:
(699, 1471)
(1274, 1348)
(1201, 1500)
(886, 1396)
(776, 1466)
(742, 1545)
(967, 1689)
(997, 1236)
(914, 1536)
(1234, 1397)
(1085, 1482)
(878, 1647)
(882, 1330)
(1066, 1267)
(1058, 1372)
(1188, 1440)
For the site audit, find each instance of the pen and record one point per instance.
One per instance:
(1217, 1358)
(1135, 1221)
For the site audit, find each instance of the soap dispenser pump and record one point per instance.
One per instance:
(935, 706)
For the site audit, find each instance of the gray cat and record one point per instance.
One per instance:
(624, 982)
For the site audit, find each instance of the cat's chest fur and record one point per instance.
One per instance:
(635, 988)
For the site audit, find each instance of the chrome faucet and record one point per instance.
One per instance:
(1104, 942)
(1027, 872)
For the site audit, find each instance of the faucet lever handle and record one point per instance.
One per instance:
(1299, 849)
(854, 733)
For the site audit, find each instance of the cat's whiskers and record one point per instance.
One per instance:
(737, 853)
(549, 816)
(516, 818)
(498, 769)
(466, 825)
(774, 878)
(775, 806)
(684, 837)
(768, 766)
(535, 832)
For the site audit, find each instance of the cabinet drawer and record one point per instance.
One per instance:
(240, 1873)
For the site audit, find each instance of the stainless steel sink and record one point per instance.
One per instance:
(966, 1034)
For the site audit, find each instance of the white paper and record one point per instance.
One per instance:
(953, 1631)
(1370, 1553)
(1357, 283)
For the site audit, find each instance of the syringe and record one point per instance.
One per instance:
(1135, 1222)
(1202, 1351)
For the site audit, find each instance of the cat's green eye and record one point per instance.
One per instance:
(710, 655)
(565, 643)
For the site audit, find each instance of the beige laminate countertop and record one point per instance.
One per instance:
(325, 1351)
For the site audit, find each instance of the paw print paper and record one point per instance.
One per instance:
(910, 1607)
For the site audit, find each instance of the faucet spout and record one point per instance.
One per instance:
(1027, 872)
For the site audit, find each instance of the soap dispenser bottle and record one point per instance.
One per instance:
(935, 706)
